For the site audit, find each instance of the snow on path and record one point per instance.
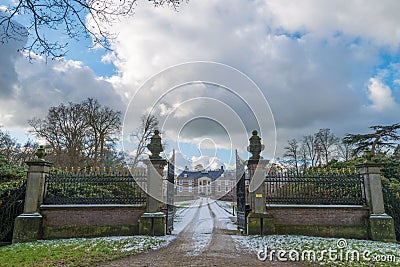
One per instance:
(185, 216)
(223, 216)
(202, 232)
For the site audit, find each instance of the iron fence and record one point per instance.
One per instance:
(326, 188)
(63, 188)
(392, 206)
(11, 205)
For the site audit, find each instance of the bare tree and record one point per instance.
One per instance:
(7, 145)
(325, 142)
(345, 150)
(310, 148)
(104, 124)
(13, 151)
(72, 18)
(77, 133)
(142, 135)
(292, 152)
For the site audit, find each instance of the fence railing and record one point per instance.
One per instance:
(329, 188)
(392, 206)
(63, 187)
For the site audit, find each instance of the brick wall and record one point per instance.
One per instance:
(95, 220)
(338, 216)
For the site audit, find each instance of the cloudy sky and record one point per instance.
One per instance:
(285, 68)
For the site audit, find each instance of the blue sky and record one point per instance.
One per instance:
(318, 64)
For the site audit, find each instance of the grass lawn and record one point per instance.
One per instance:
(75, 252)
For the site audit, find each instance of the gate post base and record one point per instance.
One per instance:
(260, 224)
(27, 228)
(381, 228)
(152, 224)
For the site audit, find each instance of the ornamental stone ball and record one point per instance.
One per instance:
(255, 146)
(155, 145)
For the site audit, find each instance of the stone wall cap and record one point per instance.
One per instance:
(153, 214)
(380, 216)
(368, 164)
(30, 215)
(38, 163)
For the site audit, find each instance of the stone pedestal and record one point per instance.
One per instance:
(381, 228)
(257, 170)
(153, 224)
(381, 225)
(28, 226)
(260, 224)
(155, 170)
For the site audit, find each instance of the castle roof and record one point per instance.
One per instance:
(213, 174)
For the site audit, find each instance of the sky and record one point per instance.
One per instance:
(214, 70)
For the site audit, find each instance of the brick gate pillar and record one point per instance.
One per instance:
(153, 221)
(258, 220)
(28, 226)
(381, 225)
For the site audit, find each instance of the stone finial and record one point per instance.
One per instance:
(155, 145)
(255, 146)
(367, 154)
(40, 153)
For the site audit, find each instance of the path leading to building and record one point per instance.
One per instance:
(202, 238)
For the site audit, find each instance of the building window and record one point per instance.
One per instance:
(180, 188)
(219, 182)
(227, 189)
(226, 182)
(180, 182)
(190, 189)
(185, 175)
(190, 182)
(219, 188)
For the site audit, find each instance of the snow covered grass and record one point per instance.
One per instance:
(77, 251)
(343, 251)
(184, 204)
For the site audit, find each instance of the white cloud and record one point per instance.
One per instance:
(380, 95)
(373, 20)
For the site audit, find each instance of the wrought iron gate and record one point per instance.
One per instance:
(242, 208)
(170, 194)
(11, 206)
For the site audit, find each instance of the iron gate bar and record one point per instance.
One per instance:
(170, 196)
(241, 209)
